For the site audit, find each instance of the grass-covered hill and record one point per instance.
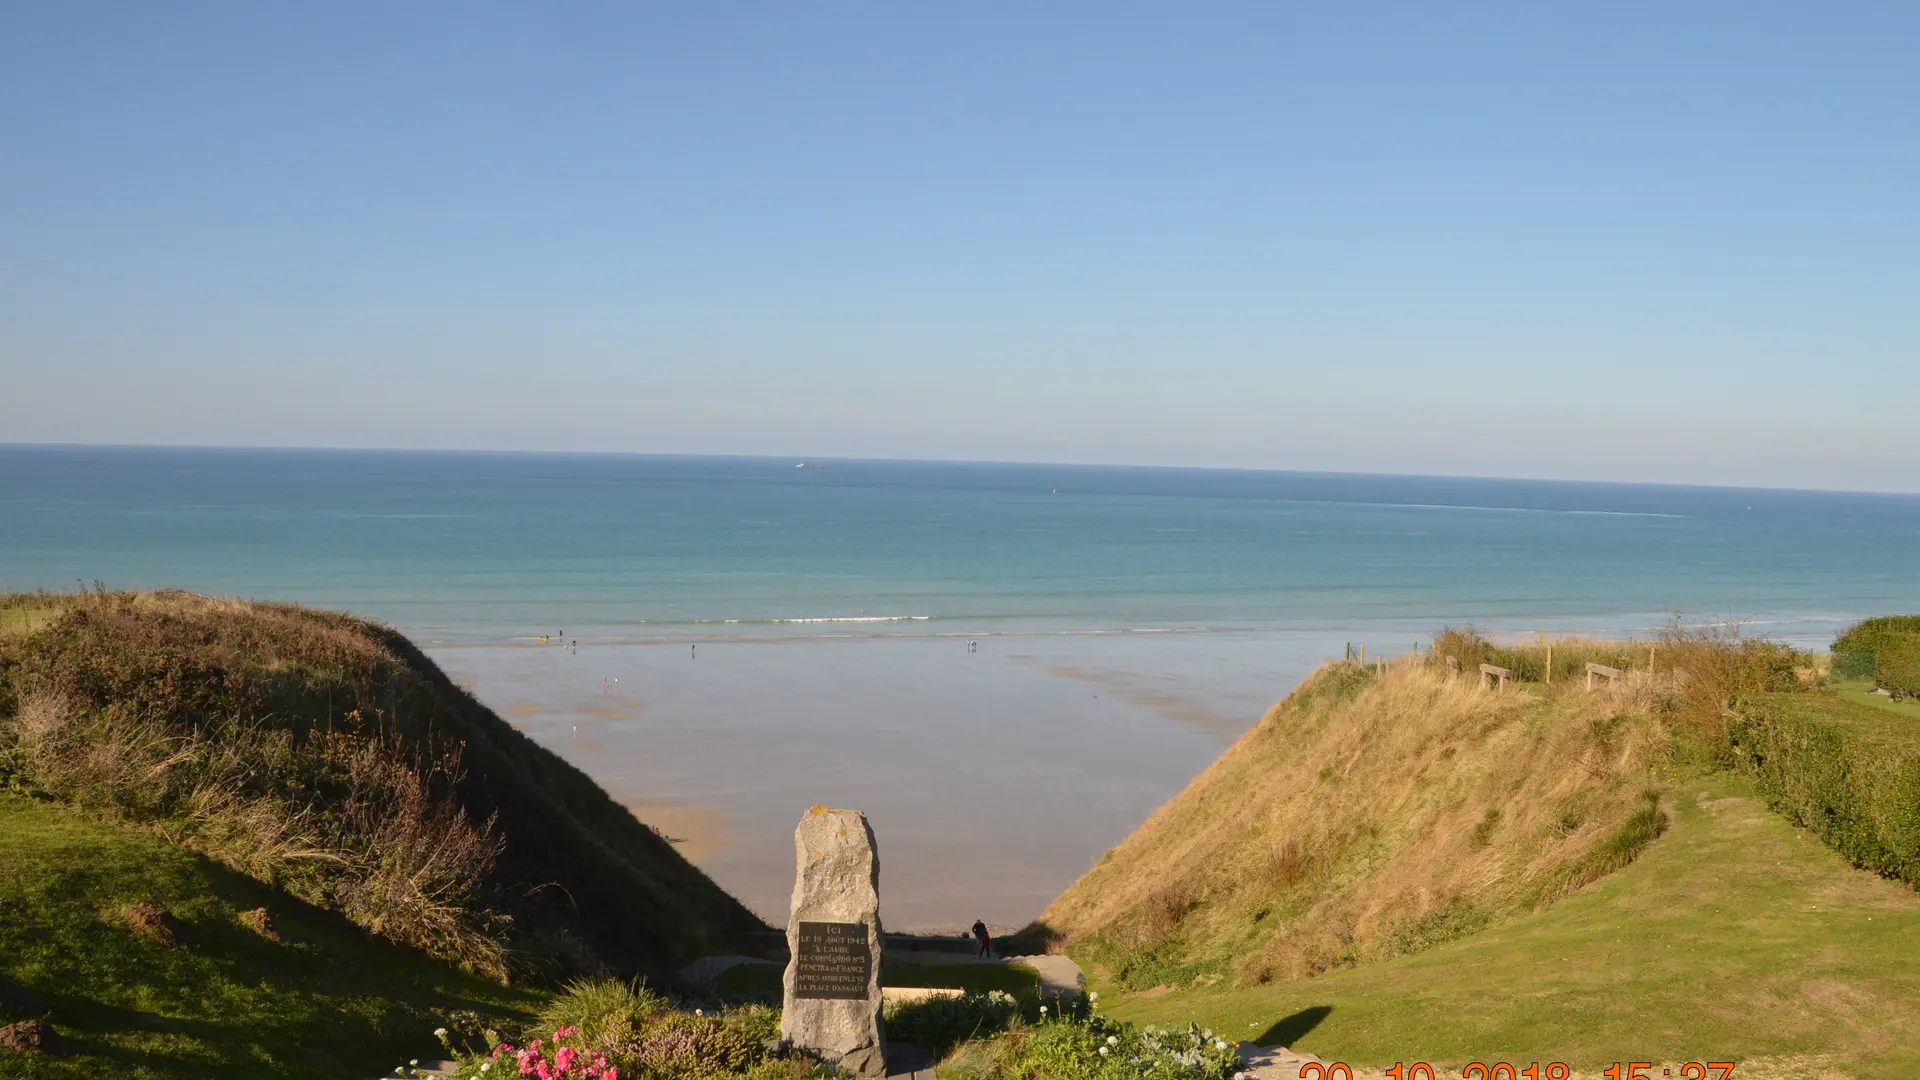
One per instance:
(325, 755)
(137, 959)
(1714, 858)
(1733, 937)
(1381, 810)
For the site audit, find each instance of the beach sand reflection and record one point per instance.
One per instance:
(992, 778)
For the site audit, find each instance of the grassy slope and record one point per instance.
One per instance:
(636, 901)
(1734, 936)
(330, 1002)
(1369, 815)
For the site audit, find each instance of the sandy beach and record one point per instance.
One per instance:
(992, 777)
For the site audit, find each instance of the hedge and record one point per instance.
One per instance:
(1866, 649)
(1897, 666)
(1865, 636)
(1848, 772)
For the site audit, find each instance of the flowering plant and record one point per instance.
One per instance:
(1073, 1042)
(559, 1058)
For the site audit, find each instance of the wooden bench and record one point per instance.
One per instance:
(1496, 677)
(1610, 673)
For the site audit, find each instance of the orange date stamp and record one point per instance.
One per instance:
(1553, 1070)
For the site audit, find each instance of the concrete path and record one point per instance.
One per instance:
(1058, 973)
(705, 971)
(1273, 1062)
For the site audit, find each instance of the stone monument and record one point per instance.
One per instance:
(832, 1000)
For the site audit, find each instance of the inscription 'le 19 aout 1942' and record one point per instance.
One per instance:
(833, 962)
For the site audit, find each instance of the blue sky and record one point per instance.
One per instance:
(1675, 242)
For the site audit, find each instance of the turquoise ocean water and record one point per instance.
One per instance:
(755, 637)
(482, 547)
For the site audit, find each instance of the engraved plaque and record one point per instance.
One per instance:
(834, 962)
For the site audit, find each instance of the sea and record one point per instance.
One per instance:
(1006, 666)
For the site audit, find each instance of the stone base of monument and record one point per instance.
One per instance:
(868, 1061)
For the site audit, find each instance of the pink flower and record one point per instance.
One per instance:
(564, 1059)
(610, 1074)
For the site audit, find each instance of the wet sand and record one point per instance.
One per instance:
(992, 779)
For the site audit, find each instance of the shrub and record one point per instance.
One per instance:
(1868, 635)
(940, 1023)
(1886, 649)
(632, 1034)
(1080, 1045)
(1897, 666)
(1848, 772)
(607, 1013)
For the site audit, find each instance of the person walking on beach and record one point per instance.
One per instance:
(986, 941)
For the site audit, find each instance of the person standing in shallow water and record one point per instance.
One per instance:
(986, 941)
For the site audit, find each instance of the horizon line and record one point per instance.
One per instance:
(480, 451)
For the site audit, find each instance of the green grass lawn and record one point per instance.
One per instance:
(326, 1002)
(1735, 936)
(756, 980)
(1861, 692)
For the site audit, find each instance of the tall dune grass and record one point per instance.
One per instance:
(353, 820)
(1382, 809)
(327, 755)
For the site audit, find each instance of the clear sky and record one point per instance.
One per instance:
(1663, 241)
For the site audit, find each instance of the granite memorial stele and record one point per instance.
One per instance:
(832, 1000)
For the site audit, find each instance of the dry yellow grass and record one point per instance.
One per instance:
(1375, 812)
(328, 756)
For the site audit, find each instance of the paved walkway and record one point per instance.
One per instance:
(1274, 1062)
(1058, 973)
(706, 970)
